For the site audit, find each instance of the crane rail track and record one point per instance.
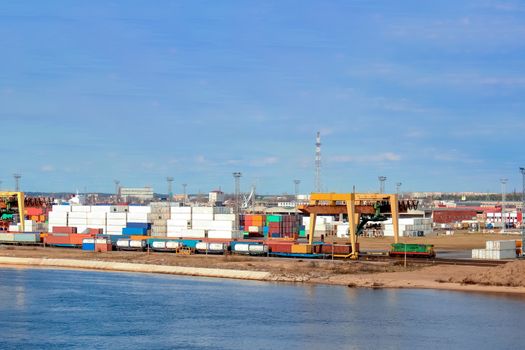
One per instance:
(436, 261)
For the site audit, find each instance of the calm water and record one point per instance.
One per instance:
(56, 309)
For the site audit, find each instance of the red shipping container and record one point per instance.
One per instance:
(60, 238)
(280, 247)
(77, 238)
(95, 231)
(99, 247)
(34, 211)
(64, 229)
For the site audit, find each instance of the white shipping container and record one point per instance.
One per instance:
(100, 208)
(226, 217)
(501, 245)
(116, 222)
(96, 222)
(202, 224)
(190, 233)
(221, 234)
(137, 217)
(222, 225)
(61, 208)
(222, 210)
(180, 216)
(181, 210)
(77, 215)
(180, 223)
(121, 216)
(202, 216)
(80, 208)
(74, 222)
(139, 209)
(96, 215)
(202, 210)
(58, 215)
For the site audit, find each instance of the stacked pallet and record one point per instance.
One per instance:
(159, 216)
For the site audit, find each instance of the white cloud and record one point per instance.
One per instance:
(47, 168)
(264, 161)
(376, 158)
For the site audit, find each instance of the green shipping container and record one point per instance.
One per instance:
(273, 218)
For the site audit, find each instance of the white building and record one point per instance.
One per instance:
(140, 193)
(216, 197)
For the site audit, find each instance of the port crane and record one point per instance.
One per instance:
(360, 208)
(12, 204)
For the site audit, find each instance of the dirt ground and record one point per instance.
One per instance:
(458, 241)
(509, 278)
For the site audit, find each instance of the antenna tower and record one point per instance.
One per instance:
(318, 162)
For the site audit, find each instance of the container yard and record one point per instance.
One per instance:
(318, 230)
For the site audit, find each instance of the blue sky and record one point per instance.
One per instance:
(427, 93)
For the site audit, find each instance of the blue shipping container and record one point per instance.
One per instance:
(88, 246)
(145, 225)
(134, 231)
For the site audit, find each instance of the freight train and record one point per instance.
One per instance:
(271, 247)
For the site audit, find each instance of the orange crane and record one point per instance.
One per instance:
(360, 208)
(8, 200)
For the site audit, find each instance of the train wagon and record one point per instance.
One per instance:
(412, 250)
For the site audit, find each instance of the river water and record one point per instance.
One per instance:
(66, 309)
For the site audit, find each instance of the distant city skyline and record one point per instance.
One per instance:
(428, 94)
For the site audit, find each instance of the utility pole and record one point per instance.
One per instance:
(17, 182)
(237, 178)
(296, 187)
(398, 186)
(318, 163)
(522, 170)
(382, 180)
(503, 190)
(117, 190)
(184, 193)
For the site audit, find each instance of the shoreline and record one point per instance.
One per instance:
(392, 280)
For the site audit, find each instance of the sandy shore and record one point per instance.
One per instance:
(348, 273)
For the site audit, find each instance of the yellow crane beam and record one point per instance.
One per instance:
(21, 205)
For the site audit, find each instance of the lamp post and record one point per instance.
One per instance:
(522, 170)
(503, 190)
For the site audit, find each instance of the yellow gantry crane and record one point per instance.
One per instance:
(7, 198)
(360, 208)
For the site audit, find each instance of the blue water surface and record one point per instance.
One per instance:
(66, 309)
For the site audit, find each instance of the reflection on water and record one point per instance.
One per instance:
(48, 309)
